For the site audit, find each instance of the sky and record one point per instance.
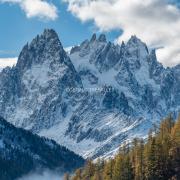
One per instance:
(156, 22)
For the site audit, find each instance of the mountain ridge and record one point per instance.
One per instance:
(92, 99)
(22, 152)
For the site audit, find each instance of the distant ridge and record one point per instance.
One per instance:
(22, 152)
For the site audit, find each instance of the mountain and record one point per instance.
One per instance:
(91, 99)
(22, 152)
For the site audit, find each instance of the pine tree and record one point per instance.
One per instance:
(127, 172)
(160, 161)
(175, 150)
(97, 176)
(78, 175)
(164, 145)
(98, 170)
(123, 165)
(118, 168)
(66, 176)
(166, 127)
(89, 170)
(176, 132)
(150, 159)
(137, 156)
(108, 170)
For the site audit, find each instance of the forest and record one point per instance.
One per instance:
(154, 158)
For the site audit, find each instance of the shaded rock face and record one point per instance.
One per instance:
(112, 99)
(93, 99)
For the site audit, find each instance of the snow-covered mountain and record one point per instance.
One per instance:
(92, 99)
(22, 152)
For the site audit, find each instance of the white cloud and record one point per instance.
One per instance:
(44, 175)
(36, 8)
(154, 21)
(4, 62)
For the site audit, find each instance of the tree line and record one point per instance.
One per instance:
(156, 158)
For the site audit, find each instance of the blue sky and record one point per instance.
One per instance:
(16, 29)
(156, 22)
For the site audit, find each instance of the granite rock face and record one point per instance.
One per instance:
(93, 99)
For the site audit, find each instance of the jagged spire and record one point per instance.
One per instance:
(153, 53)
(134, 39)
(102, 38)
(153, 56)
(136, 43)
(49, 33)
(93, 38)
(44, 47)
(123, 45)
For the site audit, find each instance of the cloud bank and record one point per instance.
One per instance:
(4, 62)
(36, 8)
(44, 175)
(156, 22)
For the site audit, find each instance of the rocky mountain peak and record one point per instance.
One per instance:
(45, 48)
(136, 53)
(50, 33)
(102, 38)
(135, 42)
(48, 38)
(42, 65)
